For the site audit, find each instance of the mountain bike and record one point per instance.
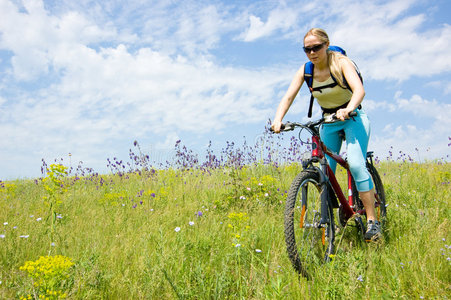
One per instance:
(310, 227)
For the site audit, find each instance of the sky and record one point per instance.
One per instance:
(88, 78)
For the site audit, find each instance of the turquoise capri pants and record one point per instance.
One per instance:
(357, 131)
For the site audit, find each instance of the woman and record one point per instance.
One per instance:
(343, 101)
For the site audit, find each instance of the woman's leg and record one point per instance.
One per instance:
(329, 136)
(357, 137)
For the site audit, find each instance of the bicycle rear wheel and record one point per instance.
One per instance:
(309, 243)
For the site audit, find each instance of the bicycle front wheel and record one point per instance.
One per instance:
(309, 243)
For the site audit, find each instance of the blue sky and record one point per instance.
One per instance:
(90, 77)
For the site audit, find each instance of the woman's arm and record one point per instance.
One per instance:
(288, 99)
(354, 82)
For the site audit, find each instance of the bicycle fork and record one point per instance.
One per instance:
(324, 220)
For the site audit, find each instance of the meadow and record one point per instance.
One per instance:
(211, 230)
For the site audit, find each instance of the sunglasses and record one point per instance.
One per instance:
(315, 48)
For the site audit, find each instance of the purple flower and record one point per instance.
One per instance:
(199, 214)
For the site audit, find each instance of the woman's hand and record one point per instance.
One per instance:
(343, 114)
(276, 126)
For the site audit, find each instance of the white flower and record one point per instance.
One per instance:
(242, 198)
(237, 245)
(24, 236)
(6, 223)
(52, 244)
(2, 236)
(258, 250)
(38, 219)
(191, 223)
(266, 194)
(177, 229)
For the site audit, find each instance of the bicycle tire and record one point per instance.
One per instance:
(380, 202)
(308, 245)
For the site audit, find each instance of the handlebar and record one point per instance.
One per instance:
(290, 126)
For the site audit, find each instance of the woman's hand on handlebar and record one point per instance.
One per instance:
(343, 114)
(276, 126)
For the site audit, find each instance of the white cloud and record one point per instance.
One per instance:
(427, 129)
(107, 94)
(390, 44)
(281, 19)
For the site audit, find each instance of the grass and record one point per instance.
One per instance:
(166, 234)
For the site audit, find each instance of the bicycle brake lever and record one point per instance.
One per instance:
(287, 126)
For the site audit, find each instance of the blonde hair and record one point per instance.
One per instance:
(333, 57)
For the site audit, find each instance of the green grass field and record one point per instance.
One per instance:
(213, 234)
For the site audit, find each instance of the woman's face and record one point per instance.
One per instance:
(315, 49)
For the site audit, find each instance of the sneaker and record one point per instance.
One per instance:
(373, 231)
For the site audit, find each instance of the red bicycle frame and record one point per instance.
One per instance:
(318, 151)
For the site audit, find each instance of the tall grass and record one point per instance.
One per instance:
(157, 234)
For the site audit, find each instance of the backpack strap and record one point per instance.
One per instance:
(308, 77)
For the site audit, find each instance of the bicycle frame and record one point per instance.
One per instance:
(318, 155)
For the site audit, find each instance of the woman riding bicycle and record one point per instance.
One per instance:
(342, 101)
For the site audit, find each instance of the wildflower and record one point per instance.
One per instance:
(266, 194)
(177, 229)
(258, 250)
(360, 278)
(2, 236)
(38, 219)
(237, 245)
(242, 198)
(191, 223)
(199, 214)
(6, 223)
(24, 236)
(52, 244)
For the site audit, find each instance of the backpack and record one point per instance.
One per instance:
(308, 77)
